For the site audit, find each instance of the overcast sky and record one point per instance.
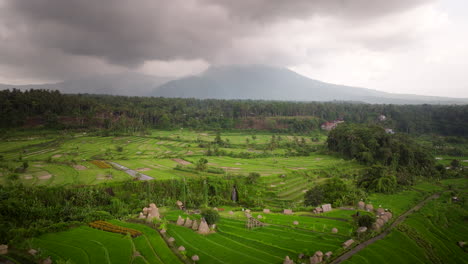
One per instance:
(403, 46)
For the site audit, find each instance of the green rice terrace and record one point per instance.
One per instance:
(185, 196)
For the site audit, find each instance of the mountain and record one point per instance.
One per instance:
(233, 82)
(129, 83)
(270, 83)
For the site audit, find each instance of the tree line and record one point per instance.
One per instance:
(130, 114)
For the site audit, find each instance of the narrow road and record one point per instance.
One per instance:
(400, 219)
(133, 173)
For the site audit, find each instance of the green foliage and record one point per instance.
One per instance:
(253, 177)
(378, 179)
(371, 145)
(136, 114)
(365, 220)
(335, 191)
(211, 216)
(202, 164)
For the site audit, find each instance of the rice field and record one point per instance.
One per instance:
(81, 158)
(234, 243)
(87, 245)
(430, 235)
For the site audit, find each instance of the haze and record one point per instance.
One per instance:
(401, 46)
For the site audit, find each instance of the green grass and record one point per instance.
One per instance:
(234, 243)
(85, 245)
(153, 154)
(398, 203)
(429, 235)
(395, 248)
(151, 243)
(88, 245)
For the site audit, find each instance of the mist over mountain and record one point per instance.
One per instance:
(129, 84)
(258, 82)
(270, 83)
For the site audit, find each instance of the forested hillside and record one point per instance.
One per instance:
(128, 114)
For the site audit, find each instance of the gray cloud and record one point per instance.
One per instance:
(57, 38)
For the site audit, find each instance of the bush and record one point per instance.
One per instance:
(365, 220)
(253, 177)
(211, 216)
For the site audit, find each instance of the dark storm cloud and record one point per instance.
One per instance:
(266, 10)
(127, 33)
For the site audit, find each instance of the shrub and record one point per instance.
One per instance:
(211, 216)
(253, 177)
(365, 220)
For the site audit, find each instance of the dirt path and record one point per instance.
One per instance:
(400, 219)
(133, 173)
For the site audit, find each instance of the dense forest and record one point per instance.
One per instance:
(130, 114)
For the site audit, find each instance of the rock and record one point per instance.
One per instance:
(326, 208)
(259, 216)
(328, 254)
(32, 252)
(195, 225)
(362, 229)
(287, 212)
(216, 209)
(171, 240)
(3, 249)
(48, 260)
(361, 205)
(195, 258)
(162, 231)
(287, 260)
(461, 243)
(295, 223)
(180, 221)
(334, 230)
(248, 215)
(188, 223)
(247, 210)
(380, 211)
(300, 256)
(181, 248)
(266, 211)
(231, 212)
(203, 228)
(369, 207)
(142, 216)
(318, 210)
(348, 243)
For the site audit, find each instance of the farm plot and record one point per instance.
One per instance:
(430, 235)
(308, 221)
(233, 243)
(85, 245)
(398, 202)
(89, 245)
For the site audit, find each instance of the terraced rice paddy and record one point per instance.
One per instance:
(88, 245)
(84, 159)
(269, 244)
(430, 235)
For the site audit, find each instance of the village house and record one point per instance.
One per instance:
(331, 125)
